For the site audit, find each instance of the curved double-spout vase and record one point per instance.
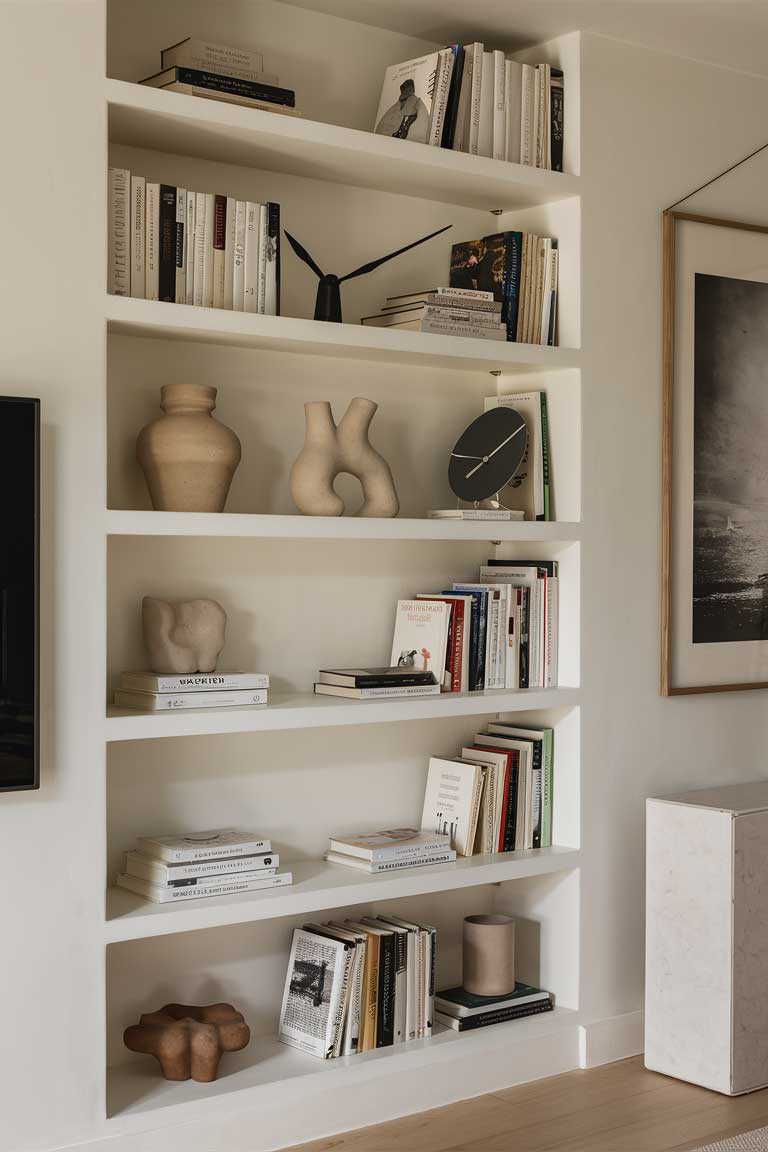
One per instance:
(330, 450)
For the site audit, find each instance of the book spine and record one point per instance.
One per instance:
(545, 457)
(509, 815)
(454, 93)
(553, 306)
(467, 293)
(536, 800)
(474, 111)
(140, 682)
(499, 106)
(238, 281)
(527, 111)
(429, 999)
(169, 895)
(512, 293)
(263, 241)
(233, 85)
(215, 57)
(446, 857)
(481, 611)
(372, 991)
(119, 248)
(205, 64)
(159, 873)
(557, 118)
(180, 288)
(189, 271)
(404, 852)
(542, 115)
(201, 202)
(383, 693)
(176, 701)
(219, 243)
(138, 236)
(468, 1023)
(208, 233)
(210, 882)
(152, 288)
(440, 102)
(547, 785)
(272, 306)
(189, 855)
(454, 328)
(455, 303)
(454, 315)
(251, 275)
(514, 97)
(385, 1008)
(229, 255)
(167, 255)
(460, 142)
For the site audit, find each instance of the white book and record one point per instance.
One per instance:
(194, 682)
(475, 98)
(160, 895)
(421, 635)
(189, 242)
(320, 965)
(201, 204)
(173, 701)
(440, 101)
(238, 278)
(211, 57)
(393, 844)
(407, 97)
(536, 120)
(527, 492)
(389, 693)
(493, 794)
(152, 247)
(209, 224)
(499, 106)
(263, 244)
(119, 247)
(219, 250)
(161, 873)
(470, 293)
(546, 300)
(138, 236)
(474, 514)
(452, 801)
(514, 86)
(528, 115)
(348, 1036)
(487, 88)
(251, 275)
(229, 254)
(543, 154)
(211, 844)
(374, 869)
(455, 328)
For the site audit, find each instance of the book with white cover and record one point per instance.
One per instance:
(152, 246)
(475, 514)
(526, 491)
(319, 969)
(348, 1038)
(162, 873)
(440, 100)
(421, 635)
(193, 681)
(251, 273)
(263, 241)
(238, 281)
(499, 106)
(528, 117)
(119, 280)
(485, 127)
(514, 87)
(138, 236)
(189, 278)
(159, 895)
(182, 238)
(407, 97)
(388, 693)
(392, 844)
(489, 823)
(229, 254)
(452, 801)
(212, 57)
(477, 53)
(174, 701)
(374, 868)
(209, 226)
(201, 202)
(216, 843)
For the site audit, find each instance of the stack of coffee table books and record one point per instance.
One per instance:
(376, 683)
(390, 850)
(461, 1010)
(153, 692)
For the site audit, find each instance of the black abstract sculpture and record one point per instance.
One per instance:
(328, 300)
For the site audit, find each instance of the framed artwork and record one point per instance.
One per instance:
(714, 615)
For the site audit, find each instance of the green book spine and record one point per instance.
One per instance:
(545, 457)
(546, 800)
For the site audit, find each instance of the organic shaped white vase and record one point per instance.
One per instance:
(184, 637)
(329, 450)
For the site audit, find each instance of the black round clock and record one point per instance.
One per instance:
(487, 454)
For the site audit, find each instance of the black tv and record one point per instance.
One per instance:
(19, 593)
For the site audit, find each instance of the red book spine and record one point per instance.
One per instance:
(458, 644)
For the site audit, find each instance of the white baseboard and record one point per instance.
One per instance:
(615, 1038)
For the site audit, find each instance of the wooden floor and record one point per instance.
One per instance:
(616, 1108)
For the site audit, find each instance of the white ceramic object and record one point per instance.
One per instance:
(489, 955)
(329, 450)
(184, 637)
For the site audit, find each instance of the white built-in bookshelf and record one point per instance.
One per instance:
(302, 592)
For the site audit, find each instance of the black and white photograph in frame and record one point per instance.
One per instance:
(715, 515)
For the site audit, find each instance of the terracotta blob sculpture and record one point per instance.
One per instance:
(330, 450)
(184, 637)
(188, 457)
(188, 1041)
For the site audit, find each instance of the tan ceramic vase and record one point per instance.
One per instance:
(188, 458)
(489, 955)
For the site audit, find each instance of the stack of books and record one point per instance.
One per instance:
(458, 1009)
(446, 311)
(496, 795)
(221, 862)
(152, 692)
(185, 247)
(390, 850)
(377, 683)
(478, 101)
(520, 271)
(218, 72)
(357, 985)
(498, 632)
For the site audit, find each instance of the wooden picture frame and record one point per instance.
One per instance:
(671, 684)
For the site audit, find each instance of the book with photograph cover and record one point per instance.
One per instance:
(405, 108)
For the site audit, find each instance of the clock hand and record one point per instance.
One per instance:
(498, 448)
(461, 456)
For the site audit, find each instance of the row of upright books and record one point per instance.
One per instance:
(446, 311)
(479, 101)
(154, 692)
(358, 985)
(219, 862)
(185, 247)
(220, 72)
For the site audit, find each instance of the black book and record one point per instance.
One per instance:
(525, 604)
(466, 1023)
(167, 263)
(476, 635)
(557, 117)
(233, 85)
(452, 106)
(510, 821)
(375, 677)
(385, 998)
(273, 253)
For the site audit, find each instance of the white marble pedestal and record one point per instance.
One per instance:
(706, 996)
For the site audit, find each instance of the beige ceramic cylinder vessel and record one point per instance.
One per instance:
(188, 457)
(489, 955)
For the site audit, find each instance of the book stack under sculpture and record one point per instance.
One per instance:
(446, 311)
(220, 862)
(150, 692)
(461, 1010)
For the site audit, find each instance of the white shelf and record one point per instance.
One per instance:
(306, 710)
(141, 523)
(319, 885)
(267, 1067)
(165, 321)
(193, 126)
